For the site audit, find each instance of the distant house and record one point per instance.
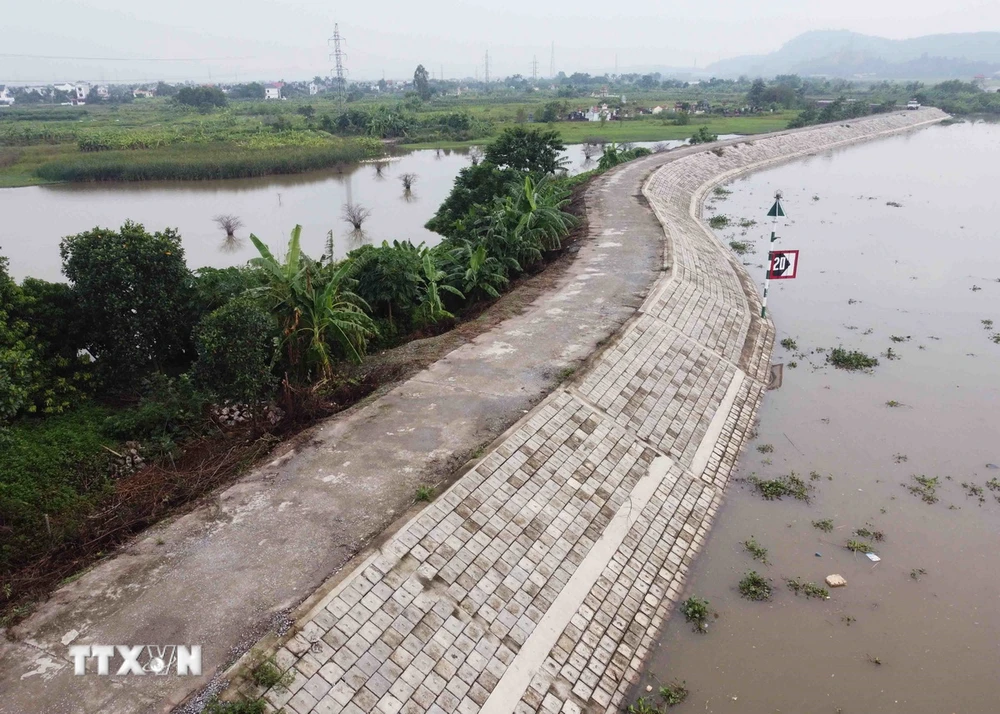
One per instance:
(597, 113)
(102, 91)
(142, 93)
(6, 98)
(657, 110)
(313, 89)
(272, 91)
(82, 89)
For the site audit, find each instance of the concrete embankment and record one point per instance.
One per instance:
(538, 580)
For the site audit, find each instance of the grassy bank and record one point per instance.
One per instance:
(211, 161)
(644, 129)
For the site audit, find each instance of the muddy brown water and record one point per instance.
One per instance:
(36, 218)
(910, 272)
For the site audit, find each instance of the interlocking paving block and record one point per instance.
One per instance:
(663, 385)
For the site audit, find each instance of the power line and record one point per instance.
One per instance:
(487, 66)
(126, 59)
(552, 61)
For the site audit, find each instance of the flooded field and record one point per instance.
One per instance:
(37, 218)
(899, 260)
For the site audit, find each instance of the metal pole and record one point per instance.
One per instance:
(775, 211)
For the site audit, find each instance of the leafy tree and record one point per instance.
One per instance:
(474, 186)
(165, 90)
(552, 111)
(133, 294)
(534, 150)
(251, 90)
(421, 82)
(201, 97)
(236, 351)
(755, 97)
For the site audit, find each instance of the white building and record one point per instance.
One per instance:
(657, 110)
(82, 89)
(6, 97)
(595, 113)
(313, 88)
(272, 91)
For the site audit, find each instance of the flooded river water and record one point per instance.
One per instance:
(919, 631)
(35, 219)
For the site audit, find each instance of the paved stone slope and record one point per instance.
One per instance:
(538, 581)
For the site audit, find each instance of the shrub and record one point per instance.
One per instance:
(703, 136)
(474, 186)
(39, 337)
(54, 467)
(236, 351)
(170, 410)
(133, 292)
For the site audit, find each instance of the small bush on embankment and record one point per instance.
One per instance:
(217, 161)
(53, 472)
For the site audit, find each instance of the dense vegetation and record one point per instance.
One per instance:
(139, 383)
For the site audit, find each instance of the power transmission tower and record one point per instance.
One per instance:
(552, 61)
(442, 73)
(487, 74)
(338, 57)
(534, 68)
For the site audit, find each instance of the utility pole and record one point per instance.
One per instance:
(552, 61)
(534, 69)
(442, 73)
(775, 212)
(487, 74)
(338, 56)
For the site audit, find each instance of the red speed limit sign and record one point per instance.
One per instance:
(783, 264)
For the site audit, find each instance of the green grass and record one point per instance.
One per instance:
(52, 475)
(214, 161)
(824, 524)
(267, 675)
(642, 129)
(425, 493)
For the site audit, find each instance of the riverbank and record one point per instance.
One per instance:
(304, 507)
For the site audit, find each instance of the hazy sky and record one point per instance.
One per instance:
(287, 39)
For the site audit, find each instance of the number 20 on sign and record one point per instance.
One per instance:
(783, 264)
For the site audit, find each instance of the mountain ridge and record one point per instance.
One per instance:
(844, 53)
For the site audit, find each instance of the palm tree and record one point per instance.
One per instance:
(315, 307)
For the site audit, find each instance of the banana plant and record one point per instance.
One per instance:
(315, 308)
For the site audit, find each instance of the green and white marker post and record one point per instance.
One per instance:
(775, 212)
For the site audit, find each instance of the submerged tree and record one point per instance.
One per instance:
(408, 179)
(229, 223)
(356, 214)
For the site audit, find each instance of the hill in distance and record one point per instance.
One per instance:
(840, 53)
